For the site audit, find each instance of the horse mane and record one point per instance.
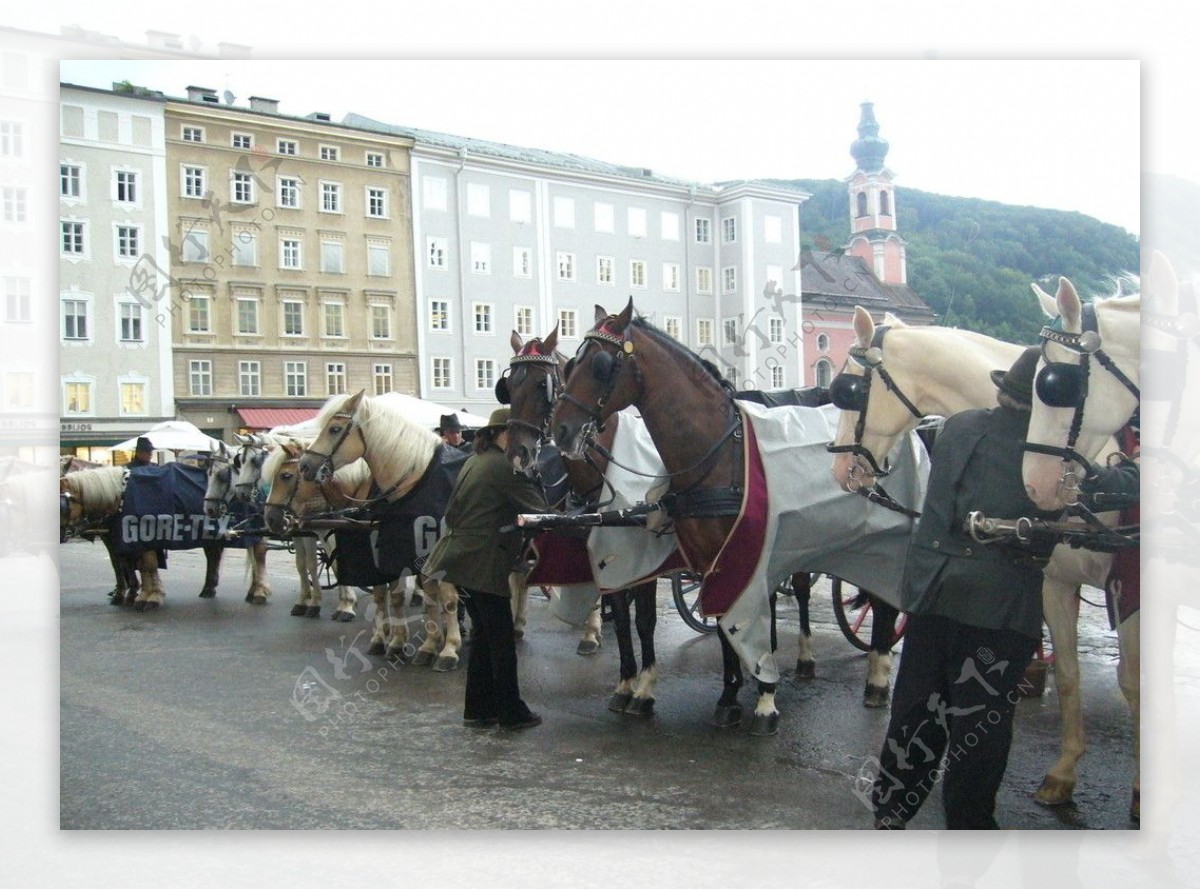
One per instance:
(97, 490)
(401, 443)
(673, 345)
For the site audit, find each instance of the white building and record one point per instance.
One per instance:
(114, 347)
(508, 238)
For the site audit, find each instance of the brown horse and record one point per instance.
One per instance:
(534, 379)
(697, 429)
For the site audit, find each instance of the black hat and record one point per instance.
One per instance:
(1017, 381)
(449, 424)
(143, 444)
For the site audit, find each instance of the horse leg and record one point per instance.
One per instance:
(879, 659)
(728, 712)
(589, 643)
(1129, 677)
(766, 715)
(312, 604)
(306, 571)
(256, 563)
(623, 694)
(520, 603)
(806, 666)
(396, 624)
(117, 594)
(1060, 606)
(440, 647)
(212, 571)
(151, 595)
(379, 628)
(645, 596)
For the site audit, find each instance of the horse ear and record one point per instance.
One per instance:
(864, 326)
(1163, 286)
(1070, 307)
(1045, 301)
(601, 314)
(516, 342)
(625, 317)
(292, 449)
(551, 341)
(894, 321)
(353, 402)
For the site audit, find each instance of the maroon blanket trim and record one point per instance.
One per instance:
(733, 569)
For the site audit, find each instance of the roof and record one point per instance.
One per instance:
(842, 280)
(268, 418)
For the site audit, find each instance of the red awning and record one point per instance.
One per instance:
(266, 418)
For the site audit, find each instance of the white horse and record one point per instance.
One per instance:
(248, 485)
(398, 452)
(1052, 479)
(289, 493)
(940, 372)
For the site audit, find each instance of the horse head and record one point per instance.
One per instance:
(1079, 404)
(873, 418)
(335, 446)
(530, 387)
(219, 476)
(285, 486)
(601, 379)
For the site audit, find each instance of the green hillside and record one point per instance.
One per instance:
(973, 260)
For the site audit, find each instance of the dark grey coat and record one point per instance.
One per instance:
(976, 465)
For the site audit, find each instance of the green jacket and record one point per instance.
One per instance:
(487, 496)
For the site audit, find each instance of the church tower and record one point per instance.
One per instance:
(873, 205)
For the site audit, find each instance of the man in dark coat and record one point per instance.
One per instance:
(450, 429)
(976, 620)
(143, 453)
(476, 556)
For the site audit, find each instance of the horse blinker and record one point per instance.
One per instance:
(1061, 385)
(848, 392)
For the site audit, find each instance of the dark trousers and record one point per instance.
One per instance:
(954, 698)
(492, 688)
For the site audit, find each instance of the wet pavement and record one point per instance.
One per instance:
(219, 714)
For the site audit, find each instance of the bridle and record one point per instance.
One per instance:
(1065, 385)
(606, 367)
(852, 392)
(552, 383)
(326, 469)
(221, 467)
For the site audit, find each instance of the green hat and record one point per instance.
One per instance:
(1017, 381)
(499, 418)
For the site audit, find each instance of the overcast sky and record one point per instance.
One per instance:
(1022, 132)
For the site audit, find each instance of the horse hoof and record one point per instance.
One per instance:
(422, 658)
(765, 724)
(298, 610)
(619, 701)
(875, 696)
(117, 601)
(518, 633)
(394, 653)
(806, 670)
(258, 599)
(208, 593)
(312, 612)
(1054, 792)
(139, 607)
(640, 707)
(149, 606)
(445, 663)
(1135, 806)
(376, 648)
(727, 716)
(249, 596)
(343, 617)
(587, 647)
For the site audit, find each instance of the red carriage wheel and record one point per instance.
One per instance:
(855, 616)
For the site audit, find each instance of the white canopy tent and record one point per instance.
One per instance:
(427, 413)
(173, 435)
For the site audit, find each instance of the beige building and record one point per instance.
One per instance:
(290, 259)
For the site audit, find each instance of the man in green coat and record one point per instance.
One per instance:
(477, 557)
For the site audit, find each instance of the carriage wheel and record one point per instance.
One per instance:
(855, 615)
(685, 589)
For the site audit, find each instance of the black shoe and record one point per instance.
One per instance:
(480, 721)
(528, 723)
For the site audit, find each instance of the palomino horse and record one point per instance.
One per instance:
(96, 495)
(218, 494)
(248, 484)
(940, 372)
(291, 497)
(1078, 405)
(533, 382)
(398, 452)
(729, 499)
